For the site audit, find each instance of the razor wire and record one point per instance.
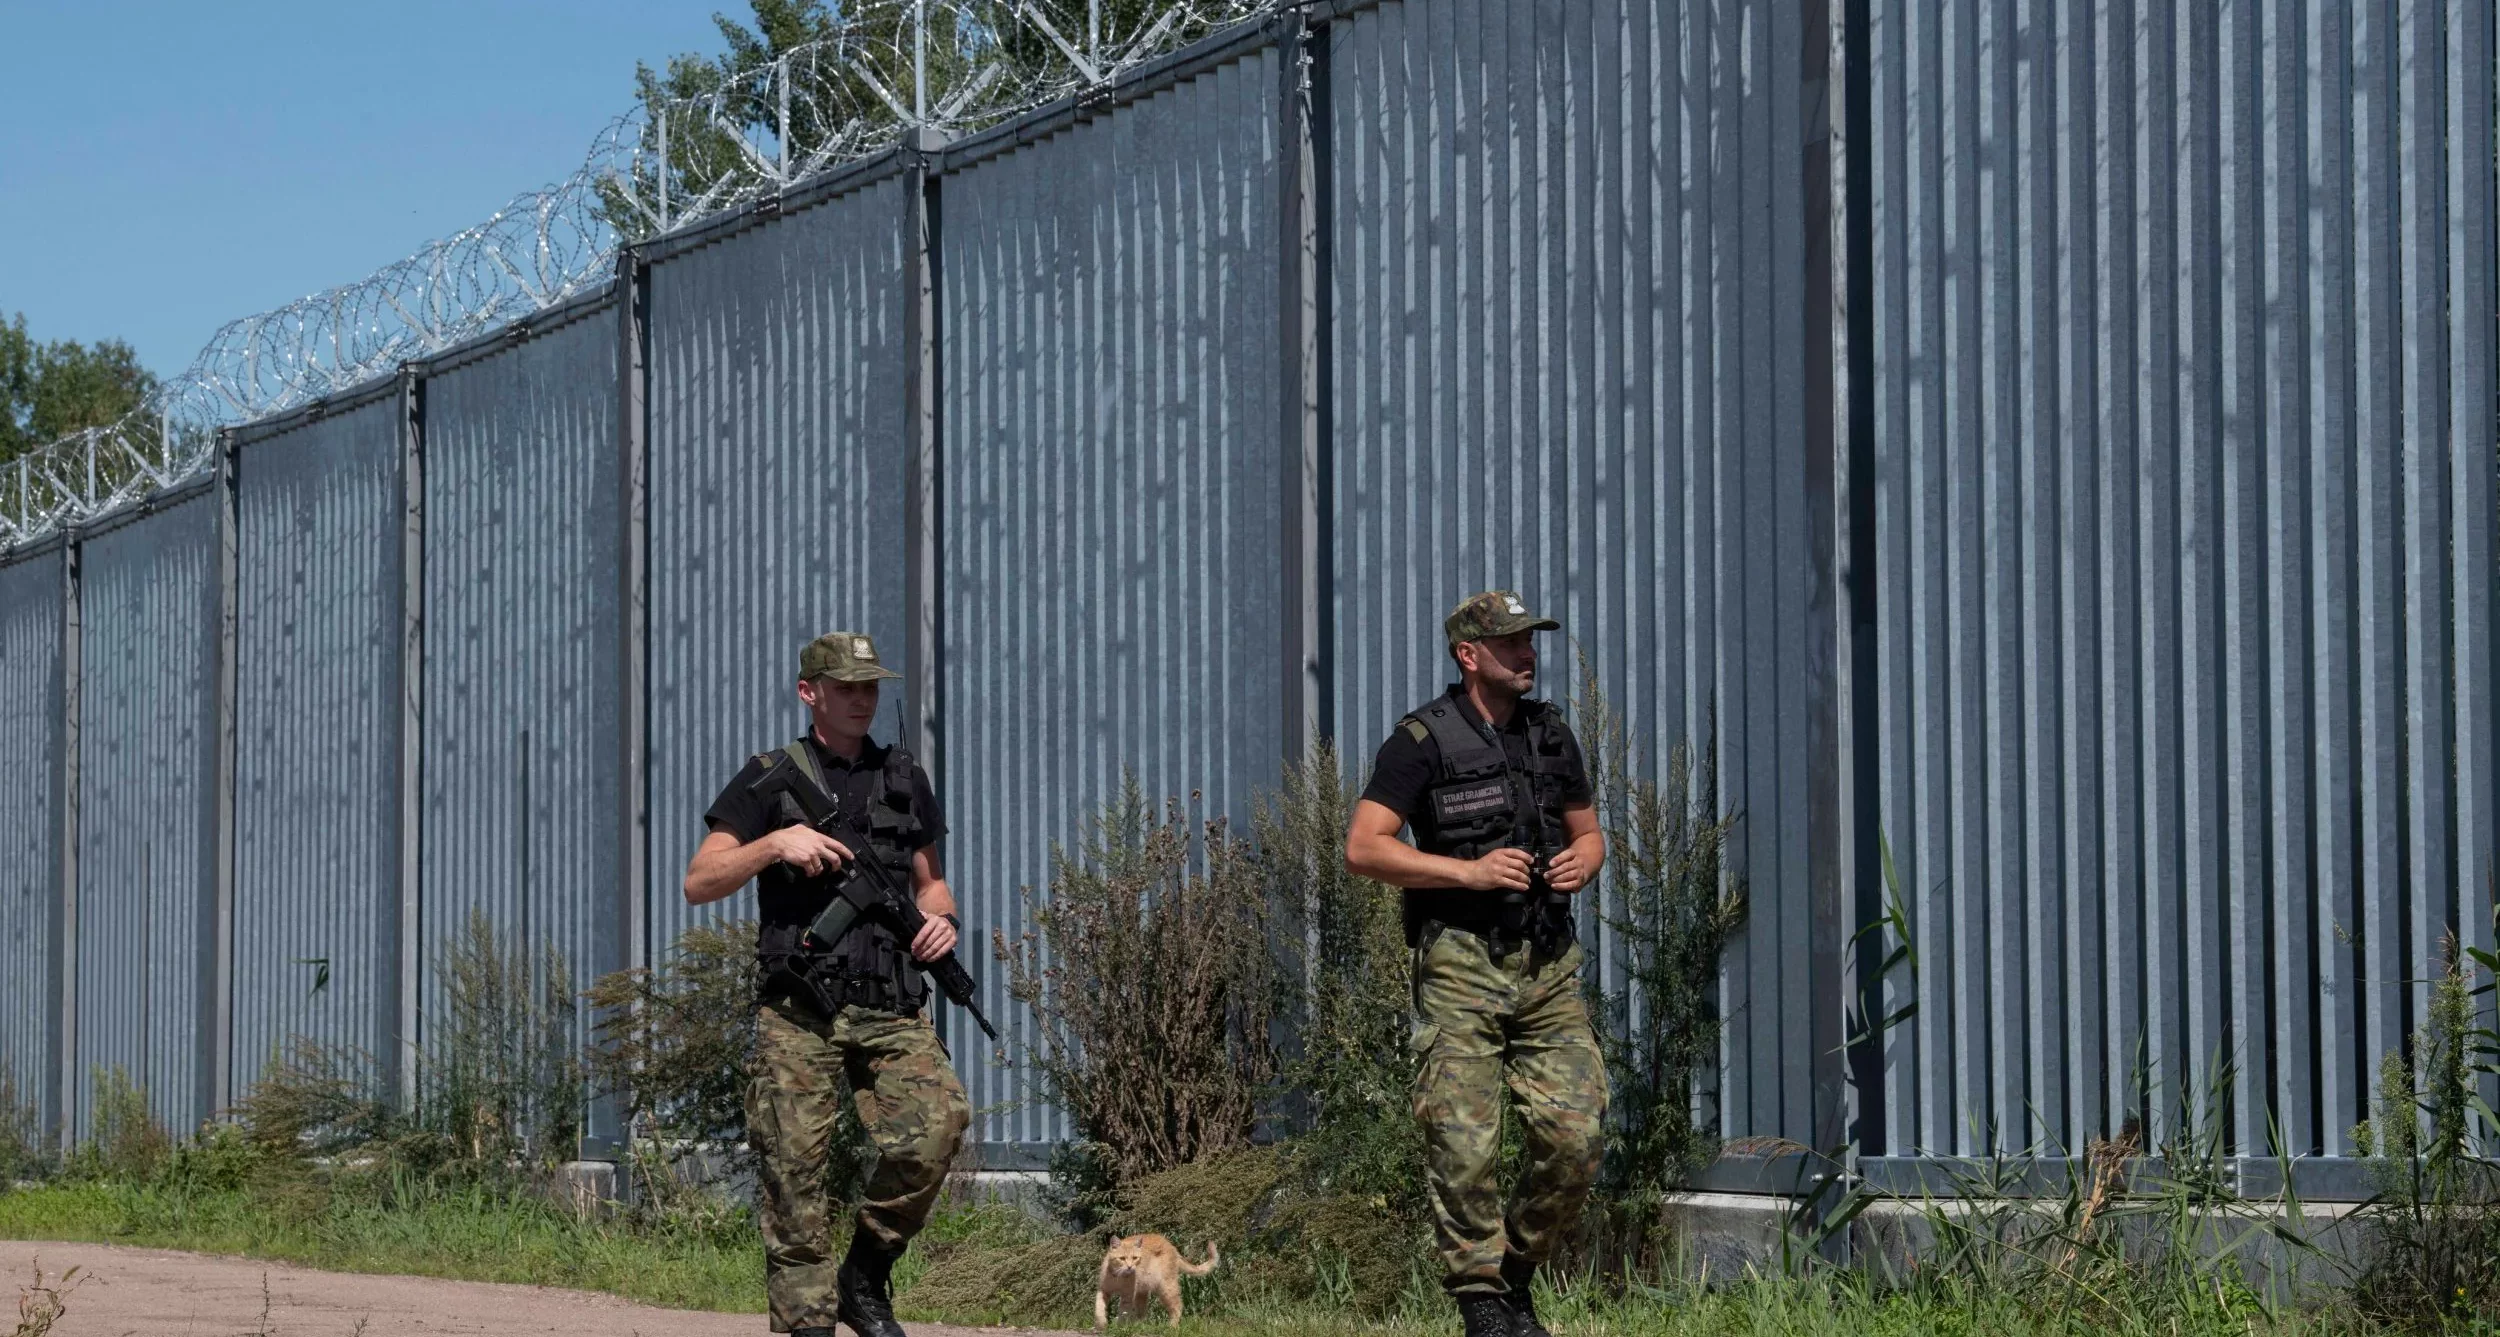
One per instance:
(891, 67)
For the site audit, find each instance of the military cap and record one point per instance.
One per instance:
(1493, 613)
(844, 656)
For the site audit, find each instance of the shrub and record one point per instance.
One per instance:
(2437, 1250)
(313, 1099)
(222, 1158)
(1151, 984)
(124, 1139)
(22, 1154)
(1358, 1135)
(499, 1082)
(674, 1041)
(501, 1074)
(1673, 905)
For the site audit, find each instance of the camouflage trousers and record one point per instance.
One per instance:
(914, 1110)
(1481, 1025)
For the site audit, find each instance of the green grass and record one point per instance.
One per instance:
(470, 1234)
(1806, 1307)
(990, 1264)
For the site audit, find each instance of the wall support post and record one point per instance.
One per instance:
(218, 1013)
(1300, 399)
(65, 923)
(403, 1024)
(922, 476)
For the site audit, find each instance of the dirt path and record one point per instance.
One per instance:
(156, 1291)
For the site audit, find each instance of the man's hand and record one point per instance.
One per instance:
(1505, 869)
(935, 939)
(1566, 870)
(807, 849)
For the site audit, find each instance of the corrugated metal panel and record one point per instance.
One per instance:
(1111, 529)
(776, 503)
(30, 826)
(147, 737)
(2184, 449)
(523, 799)
(1568, 358)
(317, 765)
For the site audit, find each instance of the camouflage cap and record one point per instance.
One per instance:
(1493, 613)
(844, 656)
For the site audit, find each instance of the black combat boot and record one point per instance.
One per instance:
(1520, 1276)
(864, 1289)
(1485, 1316)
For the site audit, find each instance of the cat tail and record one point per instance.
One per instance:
(1199, 1269)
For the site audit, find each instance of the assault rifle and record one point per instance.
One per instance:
(864, 888)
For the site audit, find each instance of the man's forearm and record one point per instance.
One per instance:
(1391, 860)
(1591, 847)
(716, 876)
(935, 898)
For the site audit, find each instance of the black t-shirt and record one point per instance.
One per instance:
(855, 785)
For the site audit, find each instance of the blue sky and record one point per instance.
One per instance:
(167, 167)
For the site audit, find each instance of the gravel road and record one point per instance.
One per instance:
(157, 1291)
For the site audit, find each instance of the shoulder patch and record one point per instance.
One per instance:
(1415, 729)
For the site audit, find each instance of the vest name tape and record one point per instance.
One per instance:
(1454, 805)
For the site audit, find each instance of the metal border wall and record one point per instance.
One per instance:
(2183, 436)
(1162, 427)
(776, 424)
(147, 840)
(523, 803)
(1111, 493)
(318, 767)
(32, 617)
(1568, 355)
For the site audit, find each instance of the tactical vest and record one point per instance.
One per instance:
(871, 966)
(1480, 801)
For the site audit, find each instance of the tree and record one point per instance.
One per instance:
(49, 390)
(712, 157)
(17, 388)
(1100, 30)
(852, 69)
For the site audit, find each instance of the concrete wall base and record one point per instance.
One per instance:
(1729, 1236)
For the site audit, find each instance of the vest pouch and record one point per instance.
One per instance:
(777, 955)
(889, 827)
(872, 967)
(784, 969)
(892, 820)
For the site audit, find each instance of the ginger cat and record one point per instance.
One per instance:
(1138, 1268)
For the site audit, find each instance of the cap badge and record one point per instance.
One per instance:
(1515, 607)
(861, 649)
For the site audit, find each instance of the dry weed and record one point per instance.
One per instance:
(1149, 975)
(41, 1303)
